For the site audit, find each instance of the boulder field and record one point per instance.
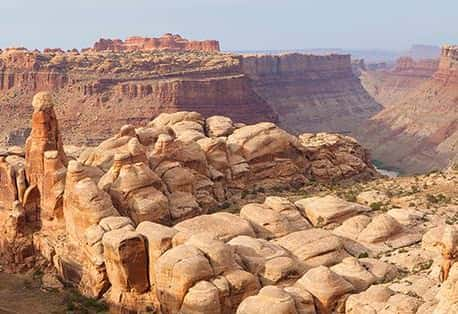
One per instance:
(194, 215)
(140, 211)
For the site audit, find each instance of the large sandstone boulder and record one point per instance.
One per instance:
(255, 141)
(84, 203)
(223, 226)
(328, 288)
(355, 273)
(314, 247)
(378, 234)
(373, 300)
(183, 206)
(275, 218)
(271, 262)
(158, 241)
(217, 126)
(241, 284)
(136, 190)
(126, 259)
(103, 155)
(264, 152)
(305, 304)
(269, 300)
(266, 222)
(336, 157)
(287, 209)
(220, 255)
(379, 299)
(203, 297)
(177, 270)
(325, 210)
(188, 126)
(217, 156)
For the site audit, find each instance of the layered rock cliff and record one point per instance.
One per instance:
(166, 42)
(311, 93)
(99, 91)
(387, 86)
(448, 65)
(418, 129)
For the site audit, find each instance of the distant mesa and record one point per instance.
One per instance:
(410, 66)
(165, 42)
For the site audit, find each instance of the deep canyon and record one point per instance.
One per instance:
(408, 110)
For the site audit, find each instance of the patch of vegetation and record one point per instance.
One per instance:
(422, 266)
(412, 294)
(349, 196)
(37, 274)
(320, 221)
(376, 205)
(437, 199)
(78, 303)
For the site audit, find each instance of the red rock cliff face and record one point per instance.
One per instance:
(448, 65)
(166, 42)
(23, 70)
(101, 91)
(311, 93)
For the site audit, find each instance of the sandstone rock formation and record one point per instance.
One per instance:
(165, 42)
(176, 217)
(98, 215)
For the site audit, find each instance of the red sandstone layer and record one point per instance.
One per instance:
(448, 65)
(165, 42)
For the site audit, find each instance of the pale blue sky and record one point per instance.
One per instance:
(238, 24)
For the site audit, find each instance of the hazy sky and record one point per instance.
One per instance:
(238, 24)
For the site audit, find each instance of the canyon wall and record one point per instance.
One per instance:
(167, 41)
(448, 65)
(99, 91)
(311, 93)
(418, 130)
(388, 86)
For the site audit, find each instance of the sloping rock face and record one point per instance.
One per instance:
(165, 42)
(133, 219)
(389, 86)
(311, 93)
(418, 131)
(99, 91)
